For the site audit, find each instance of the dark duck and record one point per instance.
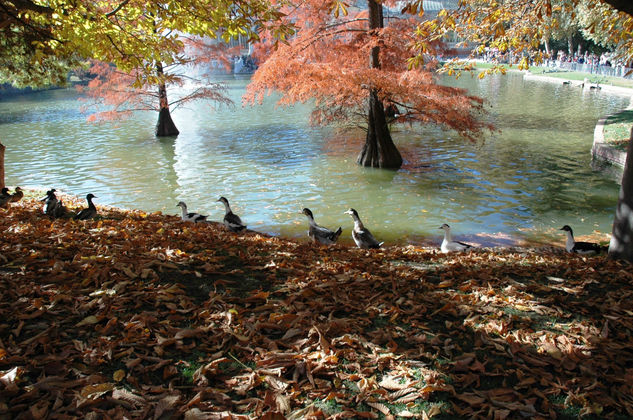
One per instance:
(319, 233)
(231, 220)
(361, 235)
(88, 213)
(52, 206)
(17, 195)
(5, 197)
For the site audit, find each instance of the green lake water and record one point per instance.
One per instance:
(534, 175)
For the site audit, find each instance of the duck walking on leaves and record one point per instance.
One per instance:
(584, 248)
(17, 195)
(5, 197)
(231, 220)
(52, 206)
(87, 213)
(190, 217)
(319, 233)
(361, 235)
(449, 245)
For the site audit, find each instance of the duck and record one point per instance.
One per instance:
(361, 235)
(87, 213)
(449, 245)
(190, 217)
(52, 206)
(319, 233)
(231, 220)
(17, 195)
(5, 197)
(583, 248)
(50, 202)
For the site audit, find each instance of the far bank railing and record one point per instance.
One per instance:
(600, 70)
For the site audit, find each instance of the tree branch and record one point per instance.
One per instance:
(625, 6)
(116, 9)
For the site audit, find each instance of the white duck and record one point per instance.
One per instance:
(319, 233)
(448, 244)
(190, 217)
(361, 235)
(231, 220)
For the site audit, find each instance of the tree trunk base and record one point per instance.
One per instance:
(165, 126)
(379, 151)
(2, 149)
(621, 246)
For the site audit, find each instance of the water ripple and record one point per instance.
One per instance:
(270, 163)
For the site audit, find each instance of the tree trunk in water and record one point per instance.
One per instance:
(621, 246)
(165, 125)
(2, 148)
(379, 150)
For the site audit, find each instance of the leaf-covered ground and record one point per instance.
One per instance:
(142, 316)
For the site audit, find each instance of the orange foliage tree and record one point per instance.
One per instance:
(353, 65)
(116, 94)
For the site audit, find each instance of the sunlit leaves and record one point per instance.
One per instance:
(520, 27)
(132, 33)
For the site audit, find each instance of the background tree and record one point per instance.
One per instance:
(145, 38)
(114, 94)
(41, 40)
(353, 67)
(518, 26)
(30, 53)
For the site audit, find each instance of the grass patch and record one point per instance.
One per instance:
(329, 407)
(617, 129)
(570, 75)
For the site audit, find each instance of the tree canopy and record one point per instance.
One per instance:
(132, 34)
(521, 26)
(341, 59)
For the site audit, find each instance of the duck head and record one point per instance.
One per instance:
(307, 212)
(181, 204)
(352, 212)
(566, 228)
(50, 194)
(445, 227)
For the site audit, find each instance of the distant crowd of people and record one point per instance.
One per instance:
(604, 64)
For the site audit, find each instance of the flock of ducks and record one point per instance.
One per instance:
(363, 238)
(6, 197)
(55, 208)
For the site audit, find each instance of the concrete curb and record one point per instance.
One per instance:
(603, 150)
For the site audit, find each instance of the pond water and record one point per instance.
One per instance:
(534, 175)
